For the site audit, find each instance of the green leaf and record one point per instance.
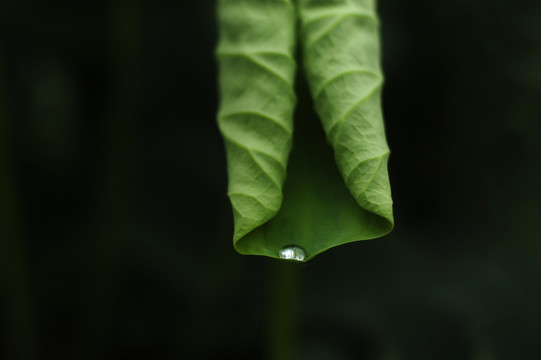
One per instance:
(257, 72)
(314, 209)
(342, 63)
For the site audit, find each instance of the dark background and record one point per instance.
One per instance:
(115, 231)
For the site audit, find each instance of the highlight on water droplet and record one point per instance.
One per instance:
(292, 252)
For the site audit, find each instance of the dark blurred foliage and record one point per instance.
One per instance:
(115, 237)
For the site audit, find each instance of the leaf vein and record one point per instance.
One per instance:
(358, 14)
(249, 54)
(266, 68)
(342, 120)
(250, 152)
(252, 197)
(333, 26)
(362, 162)
(374, 174)
(345, 73)
(261, 115)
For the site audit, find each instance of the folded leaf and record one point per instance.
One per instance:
(257, 72)
(340, 41)
(315, 209)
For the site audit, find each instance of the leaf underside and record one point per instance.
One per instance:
(316, 208)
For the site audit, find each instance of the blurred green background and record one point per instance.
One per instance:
(115, 230)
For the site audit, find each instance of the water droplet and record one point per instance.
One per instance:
(292, 252)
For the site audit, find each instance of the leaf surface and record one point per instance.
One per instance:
(257, 72)
(341, 51)
(321, 205)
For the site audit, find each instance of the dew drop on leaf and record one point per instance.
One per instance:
(292, 252)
